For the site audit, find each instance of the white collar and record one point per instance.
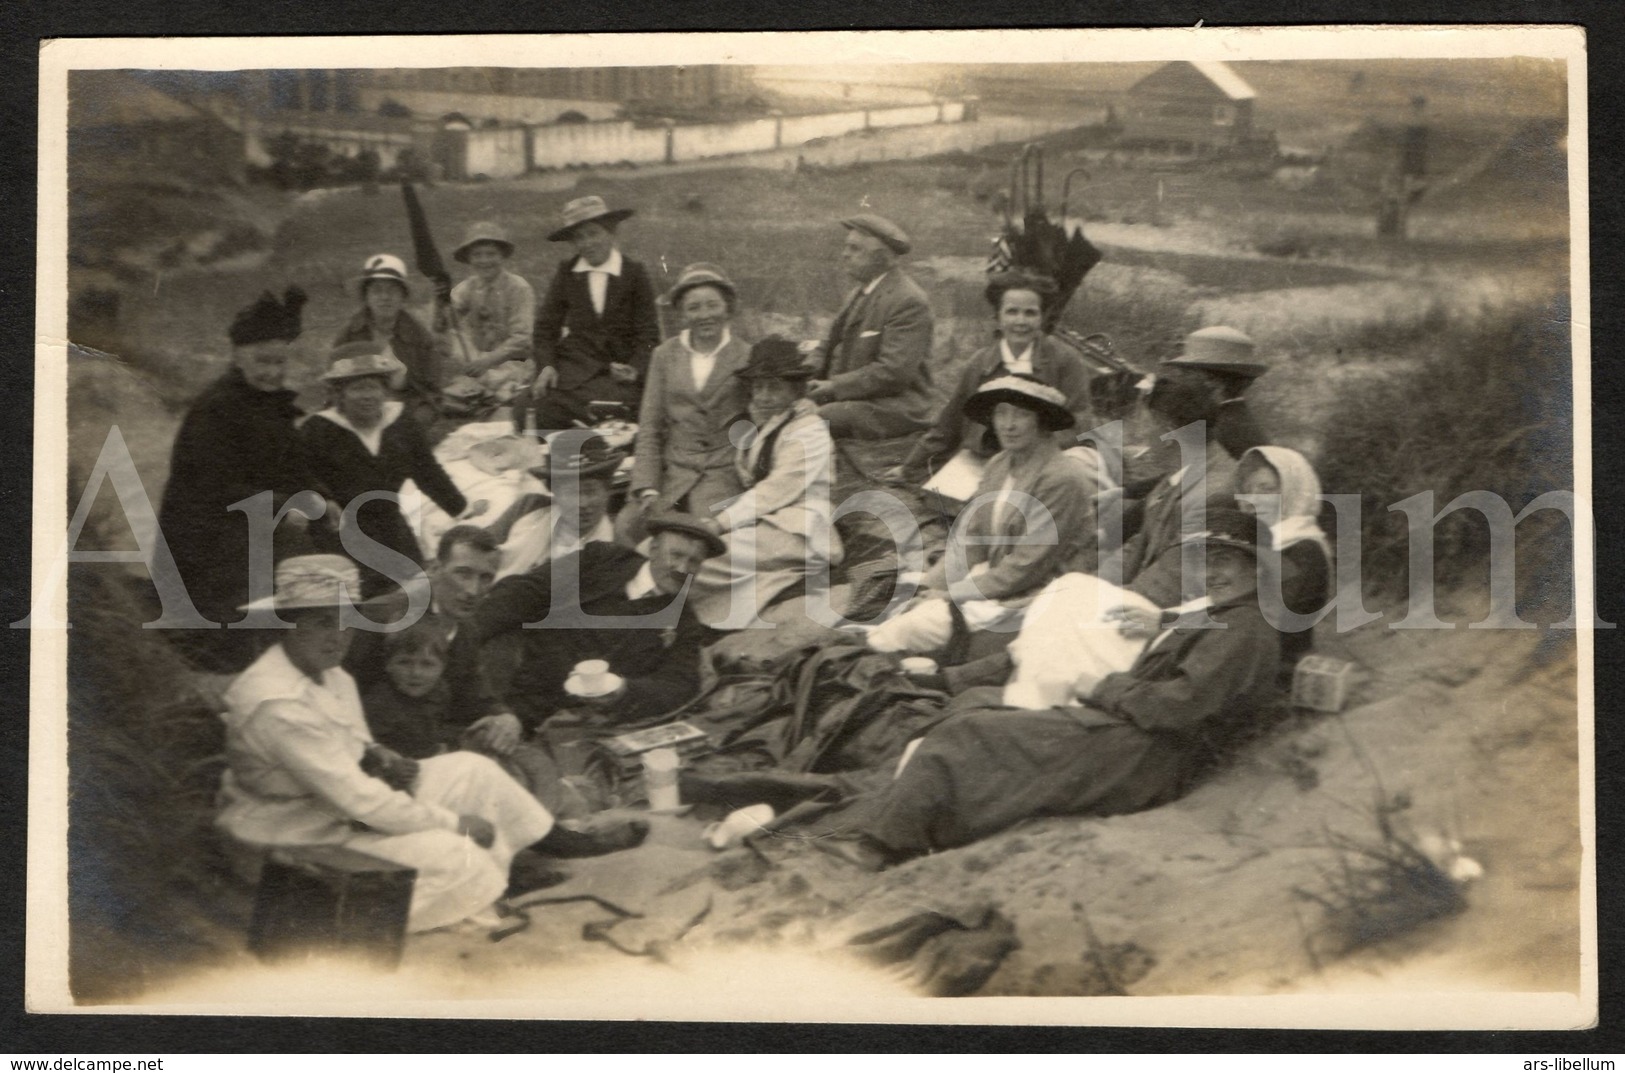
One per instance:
(642, 583)
(869, 288)
(1027, 356)
(371, 437)
(689, 346)
(610, 267)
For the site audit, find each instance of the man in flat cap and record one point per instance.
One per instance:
(875, 383)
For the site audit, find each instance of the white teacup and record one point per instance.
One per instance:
(919, 665)
(592, 677)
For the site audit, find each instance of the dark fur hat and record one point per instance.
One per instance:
(269, 319)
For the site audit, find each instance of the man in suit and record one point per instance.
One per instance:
(654, 648)
(876, 383)
(597, 324)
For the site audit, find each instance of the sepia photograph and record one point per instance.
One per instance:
(1091, 523)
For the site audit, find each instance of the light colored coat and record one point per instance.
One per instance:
(683, 447)
(779, 531)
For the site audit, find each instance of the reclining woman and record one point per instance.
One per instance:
(1032, 520)
(779, 532)
(685, 461)
(367, 443)
(1120, 743)
(296, 746)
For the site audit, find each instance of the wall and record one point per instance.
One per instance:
(833, 92)
(496, 154)
(723, 139)
(478, 106)
(801, 129)
(596, 143)
(387, 144)
(903, 117)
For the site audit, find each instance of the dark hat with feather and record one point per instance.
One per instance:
(269, 319)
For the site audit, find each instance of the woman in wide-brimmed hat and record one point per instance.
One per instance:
(684, 458)
(1030, 521)
(570, 509)
(495, 309)
(366, 442)
(779, 531)
(597, 325)
(303, 769)
(384, 290)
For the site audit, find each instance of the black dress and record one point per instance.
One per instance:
(235, 442)
(350, 470)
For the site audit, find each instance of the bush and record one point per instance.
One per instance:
(1483, 405)
(145, 753)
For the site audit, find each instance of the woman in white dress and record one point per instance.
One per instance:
(296, 742)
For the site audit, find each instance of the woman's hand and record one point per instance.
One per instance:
(1135, 621)
(475, 509)
(477, 828)
(1084, 684)
(544, 381)
(623, 372)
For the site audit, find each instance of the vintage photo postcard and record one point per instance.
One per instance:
(1094, 524)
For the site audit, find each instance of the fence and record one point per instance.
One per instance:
(507, 152)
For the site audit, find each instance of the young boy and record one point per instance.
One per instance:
(494, 309)
(408, 708)
(597, 325)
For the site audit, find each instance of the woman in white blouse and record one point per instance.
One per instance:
(685, 460)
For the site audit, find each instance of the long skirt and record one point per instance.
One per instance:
(761, 563)
(456, 877)
(983, 770)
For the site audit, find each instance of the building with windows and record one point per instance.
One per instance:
(1199, 106)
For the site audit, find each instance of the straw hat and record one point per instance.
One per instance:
(895, 238)
(365, 358)
(1025, 392)
(311, 581)
(483, 232)
(383, 266)
(1222, 350)
(701, 274)
(775, 358)
(702, 528)
(585, 210)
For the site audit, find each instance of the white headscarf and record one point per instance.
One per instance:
(1300, 497)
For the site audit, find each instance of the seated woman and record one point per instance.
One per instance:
(493, 310)
(1031, 520)
(296, 743)
(1280, 486)
(572, 510)
(779, 531)
(238, 438)
(365, 443)
(383, 319)
(1122, 743)
(685, 460)
(1020, 302)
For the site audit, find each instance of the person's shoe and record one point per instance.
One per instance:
(860, 850)
(590, 839)
(531, 871)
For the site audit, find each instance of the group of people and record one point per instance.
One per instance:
(1084, 675)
